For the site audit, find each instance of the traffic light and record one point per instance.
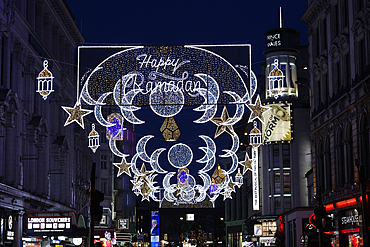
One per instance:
(99, 197)
(321, 219)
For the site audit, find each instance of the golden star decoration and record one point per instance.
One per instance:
(231, 185)
(257, 110)
(227, 194)
(223, 128)
(76, 114)
(246, 163)
(123, 167)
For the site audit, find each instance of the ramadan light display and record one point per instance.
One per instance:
(168, 80)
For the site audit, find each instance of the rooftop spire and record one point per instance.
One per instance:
(281, 19)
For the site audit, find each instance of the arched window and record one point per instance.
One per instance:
(364, 144)
(349, 155)
(340, 161)
(320, 171)
(327, 160)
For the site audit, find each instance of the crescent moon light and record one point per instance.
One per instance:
(114, 149)
(97, 111)
(154, 161)
(239, 109)
(210, 150)
(124, 103)
(140, 148)
(210, 95)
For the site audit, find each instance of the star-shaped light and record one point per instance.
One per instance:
(246, 163)
(231, 185)
(76, 114)
(223, 128)
(257, 110)
(227, 194)
(123, 167)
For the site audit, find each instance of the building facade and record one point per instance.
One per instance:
(44, 166)
(286, 150)
(285, 154)
(339, 39)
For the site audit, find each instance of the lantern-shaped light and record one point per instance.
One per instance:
(93, 139)
(277, 82)
(45, 82)
(239, 178)
(170, 130)
(115, 132)
(255, 136)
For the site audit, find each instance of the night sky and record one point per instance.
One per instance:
(135, 22)
(186, 22)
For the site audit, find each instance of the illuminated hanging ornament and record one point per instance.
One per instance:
(277, 82)
(183, 177)
(166, 83)
(221, 127)
(94, 139)
(170, 130)
(115, 132)
(239, 179)
(246, 163)
(257, 110)
(76, 114)
(218, 177)
(45, 82)
(255, 136)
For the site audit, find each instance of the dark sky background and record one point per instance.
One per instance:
(175, 22)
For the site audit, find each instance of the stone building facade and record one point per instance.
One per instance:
(339, 65)
(44, 166)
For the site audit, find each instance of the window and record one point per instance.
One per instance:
(358, 6)
(364, 144)
(361, 54)
(320, 165)
(276, 156)
(335, 21)
(339, 76)
(268, 228)
(287, 203)
(287, 188)
(340, 160)
(347, 64)
(344, 15)
(103, 161)
(103, 187)
(323, 33)
(349, 155)
(286, 155)
(277, 183)
(327, 160)
(318, 94)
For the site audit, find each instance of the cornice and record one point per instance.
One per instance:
(314, 10)
(66, 16)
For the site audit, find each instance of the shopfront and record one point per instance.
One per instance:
(54, 229)
(350, 227)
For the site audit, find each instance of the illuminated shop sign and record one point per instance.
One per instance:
(268, 241)
(277, 124)
(123, 223)
(49, 224)
(350, 219)
(10, 232)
